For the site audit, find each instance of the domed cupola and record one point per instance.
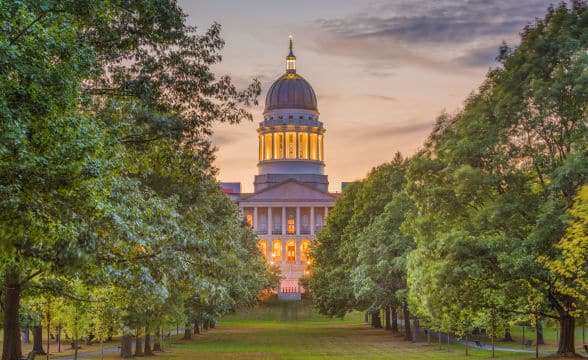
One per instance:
(291, 135)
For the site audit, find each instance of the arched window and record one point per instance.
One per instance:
(304, 248)
(277, 251)
(291, 224)
(291, 251)
(262, 245)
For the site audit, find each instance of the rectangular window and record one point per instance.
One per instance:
(321, 148)
(291, 226)
(314, 147)
(268, 147)
(290, 145)
(278, 145)
(302, 145)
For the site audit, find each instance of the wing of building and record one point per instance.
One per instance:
(291, 199)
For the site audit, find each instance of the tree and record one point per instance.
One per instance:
(125, 81)
(490, 188)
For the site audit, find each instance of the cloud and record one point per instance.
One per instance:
(441, 34)
(381, 97)
(386, 131)
(481, 57)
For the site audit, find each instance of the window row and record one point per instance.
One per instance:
(277, 254)
(291, 145)
(263, 223)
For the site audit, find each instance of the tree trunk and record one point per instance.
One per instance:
(566, 339)
(147, 350)
(38, 340)
(205, 324)
(507, 335)
(388, 325)
(376, 321)
(110, 333)
(126, 347)
(540, 339)
(157, 341)
(138, 346)
(11, 349)
(415, 324)
(188, 332)
(196, 327)
(407, 332)
(366, 318)
(394, 319)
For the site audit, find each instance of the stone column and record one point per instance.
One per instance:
(311, 220)
(283, 221)
(298, 251)
(284, 251)
(270, 221)
(297, 220)
(326, 212)
(255, 218)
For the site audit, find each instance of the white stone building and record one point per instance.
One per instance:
(291, 198)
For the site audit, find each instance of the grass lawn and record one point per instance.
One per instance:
(295, 331)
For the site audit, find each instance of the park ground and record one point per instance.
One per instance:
(296, 331)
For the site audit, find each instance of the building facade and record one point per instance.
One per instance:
(290, 201)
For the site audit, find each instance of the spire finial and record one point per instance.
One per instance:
(291, 59)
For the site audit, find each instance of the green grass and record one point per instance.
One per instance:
(295, 331)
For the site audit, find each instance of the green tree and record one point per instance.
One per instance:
(493, 182)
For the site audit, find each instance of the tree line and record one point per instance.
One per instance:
(486, 223)
(111, 220)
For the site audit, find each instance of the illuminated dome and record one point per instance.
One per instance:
(290, 91)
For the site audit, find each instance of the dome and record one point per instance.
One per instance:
(291, 91)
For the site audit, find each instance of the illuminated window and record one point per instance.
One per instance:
(291, 225)
(268, 146)
(291, 63)
(249, 219)
(278, 145)
(290, 145)
(262, 245)
(321, 148)
(277, 250)
(260, 147)
(304, 249)
(314, 147)
(302, 145)
(290, 251)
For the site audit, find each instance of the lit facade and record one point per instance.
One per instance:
(291, 200)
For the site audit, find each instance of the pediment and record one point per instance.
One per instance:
(290, 190)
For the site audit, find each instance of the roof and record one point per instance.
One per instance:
(291, 91)
(289, 190)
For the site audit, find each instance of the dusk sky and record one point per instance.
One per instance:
(382, 70)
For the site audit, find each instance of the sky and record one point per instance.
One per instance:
(382, 70)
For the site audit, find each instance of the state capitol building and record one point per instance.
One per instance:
(290, 201)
